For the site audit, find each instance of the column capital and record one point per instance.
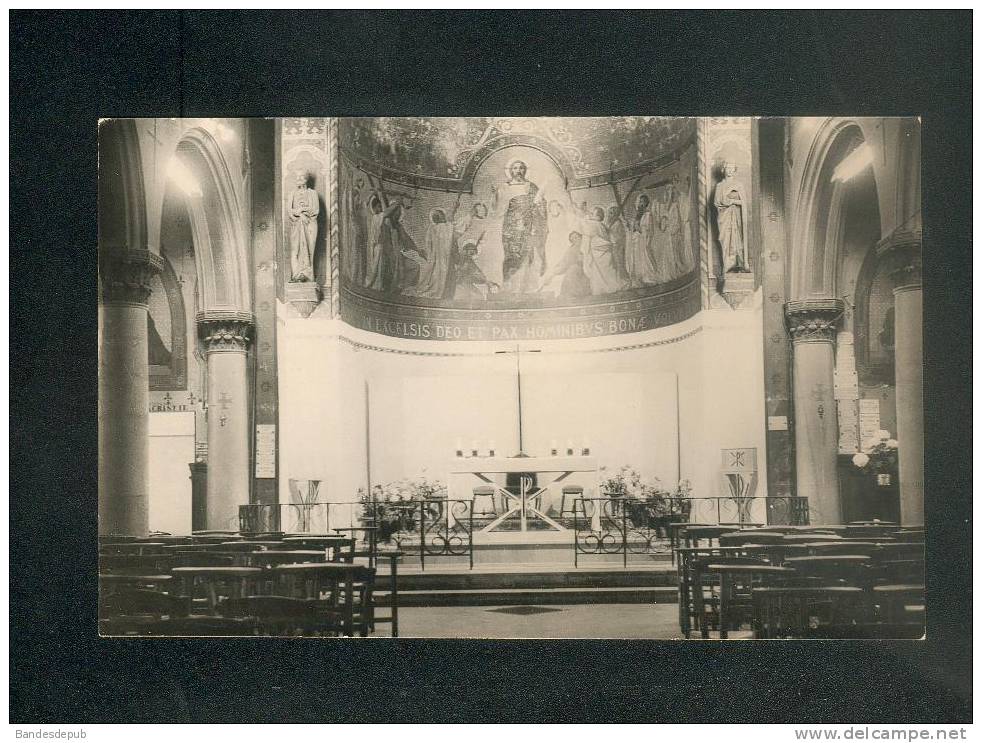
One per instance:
(900, 252)
(125, 275)
(225, 330)
(813, 320)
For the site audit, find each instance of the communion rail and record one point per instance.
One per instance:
(427, 528)
(626, 526)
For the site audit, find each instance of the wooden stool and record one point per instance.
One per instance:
(573, 492)
(485, 491)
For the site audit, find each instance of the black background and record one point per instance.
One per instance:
(68, 69)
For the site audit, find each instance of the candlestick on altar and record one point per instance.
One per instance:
(460, 448)
(569, 447)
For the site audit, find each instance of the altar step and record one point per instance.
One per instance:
(531, 584)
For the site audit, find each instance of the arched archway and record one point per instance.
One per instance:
(199, 176)
(122, 199)
(199, 172)
(837, 225)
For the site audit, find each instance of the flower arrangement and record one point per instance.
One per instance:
(648, 496)
(393, 504)
(878, 456)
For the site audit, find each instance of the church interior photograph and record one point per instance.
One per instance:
(627, 377)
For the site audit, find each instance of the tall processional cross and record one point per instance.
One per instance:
(518, 378)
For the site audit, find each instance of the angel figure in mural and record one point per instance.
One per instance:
(436, 266)
(470, 282)
(524, 229)
(639, 259)
(303, 211)
(391, 260)
(680, 261)
(576, 284)
(598, 249)
(617, 232)
(728, 198)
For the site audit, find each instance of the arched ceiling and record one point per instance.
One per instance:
(444, 153)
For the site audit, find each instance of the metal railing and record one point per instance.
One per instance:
(295, 518)
(626, 526)
(428, 528)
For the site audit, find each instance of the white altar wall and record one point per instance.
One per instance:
(626, 417)
(624, 401)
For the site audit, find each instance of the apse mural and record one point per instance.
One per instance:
(518, 219)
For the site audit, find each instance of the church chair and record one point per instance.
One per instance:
(110, 582)
(901, 550)
(129, 610)
(687, 559)
(275, 615)
(734, 583)
(200, 626)
(785, 612)
(840, 548)
(393, 557)
(853, 570)
(204, 559)
(704, 586)
(737, 538)
(135, 564)
(337, 589)
(900, 609)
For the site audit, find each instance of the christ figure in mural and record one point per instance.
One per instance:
(524, 229)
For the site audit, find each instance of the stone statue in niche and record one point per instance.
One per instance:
(730, 204)
(303, 211)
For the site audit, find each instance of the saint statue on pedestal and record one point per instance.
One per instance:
(303, 211)
(728, 198)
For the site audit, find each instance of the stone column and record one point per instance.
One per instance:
(226, 335)
(902, 252)
(124, 390)
(812, 325)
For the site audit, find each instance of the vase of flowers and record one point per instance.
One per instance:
(644, 502)
(395, 506)
(878, 458)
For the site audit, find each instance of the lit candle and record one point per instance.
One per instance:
(586, 447)
(474, 448)
(554, 447)
(460, 448)
(569, 447)
(491, 448)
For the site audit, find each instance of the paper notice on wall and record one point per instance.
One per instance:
(777, 423)
(869, 418)
(848, 427)
(265, 450)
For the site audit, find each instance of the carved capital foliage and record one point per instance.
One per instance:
(126, 276)
(225, 330)
(813, 320)
(901, 255)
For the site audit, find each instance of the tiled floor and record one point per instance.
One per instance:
(595, 621)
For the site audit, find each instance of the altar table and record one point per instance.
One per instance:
(527, 502)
